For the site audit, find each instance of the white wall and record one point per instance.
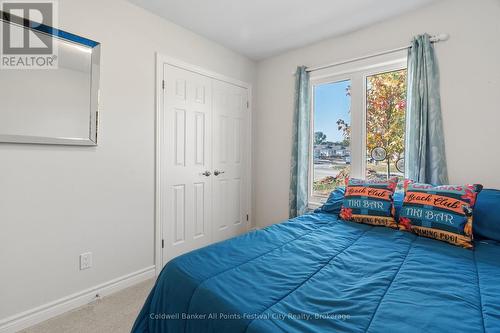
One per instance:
(470, 82)
(57, 202)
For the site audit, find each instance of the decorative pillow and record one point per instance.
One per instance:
(334, 202)
(486, 217)
(370, 202)
(441, 212)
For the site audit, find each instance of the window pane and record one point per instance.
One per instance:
(385, 125)
(332, 119)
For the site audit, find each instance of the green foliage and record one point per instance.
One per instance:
(343, 125)
(319, 138)
(385, 116)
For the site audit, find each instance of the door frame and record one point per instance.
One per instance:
(160, 61)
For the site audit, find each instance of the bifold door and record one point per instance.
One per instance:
(203, 160)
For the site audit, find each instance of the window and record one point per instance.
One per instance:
(331, 152)
(385, 124)
(358, 127)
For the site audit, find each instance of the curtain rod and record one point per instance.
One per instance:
(433, 39)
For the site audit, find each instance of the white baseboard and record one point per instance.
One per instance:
(46, 311)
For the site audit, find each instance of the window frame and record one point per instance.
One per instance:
(358, 76)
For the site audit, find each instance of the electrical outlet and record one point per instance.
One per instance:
(85, 260)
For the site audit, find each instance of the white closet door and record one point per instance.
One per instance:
(186, 159)
(230, 160)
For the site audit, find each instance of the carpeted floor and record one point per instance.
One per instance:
(115, 313)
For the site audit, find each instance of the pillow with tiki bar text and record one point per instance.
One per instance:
(440, 212)
(370, 202)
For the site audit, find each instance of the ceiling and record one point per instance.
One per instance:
(263, 28)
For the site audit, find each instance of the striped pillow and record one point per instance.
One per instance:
(440, 212)
(370, 202)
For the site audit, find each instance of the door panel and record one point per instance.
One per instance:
(185, 142)
(199, 209)
(180, 136)
(179, 213)
(229, 112)
(199, 132)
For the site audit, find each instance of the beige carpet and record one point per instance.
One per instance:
(115, 313)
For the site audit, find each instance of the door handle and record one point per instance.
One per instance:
(206, 173)
(217, 172)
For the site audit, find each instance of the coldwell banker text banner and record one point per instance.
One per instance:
(25, 43)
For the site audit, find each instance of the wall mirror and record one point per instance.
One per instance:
(49, 84)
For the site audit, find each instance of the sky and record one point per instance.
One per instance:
(331, 104)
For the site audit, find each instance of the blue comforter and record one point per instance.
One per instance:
(318, 274)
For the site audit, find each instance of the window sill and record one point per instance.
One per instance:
(316, 203)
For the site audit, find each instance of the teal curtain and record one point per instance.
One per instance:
(298, 199)
(425, 153)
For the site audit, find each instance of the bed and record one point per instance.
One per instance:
(317, 273)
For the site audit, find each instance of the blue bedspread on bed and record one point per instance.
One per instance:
(318, 274)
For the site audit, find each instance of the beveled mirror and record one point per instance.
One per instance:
(47, 96)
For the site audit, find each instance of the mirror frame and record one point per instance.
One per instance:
(94, 86)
